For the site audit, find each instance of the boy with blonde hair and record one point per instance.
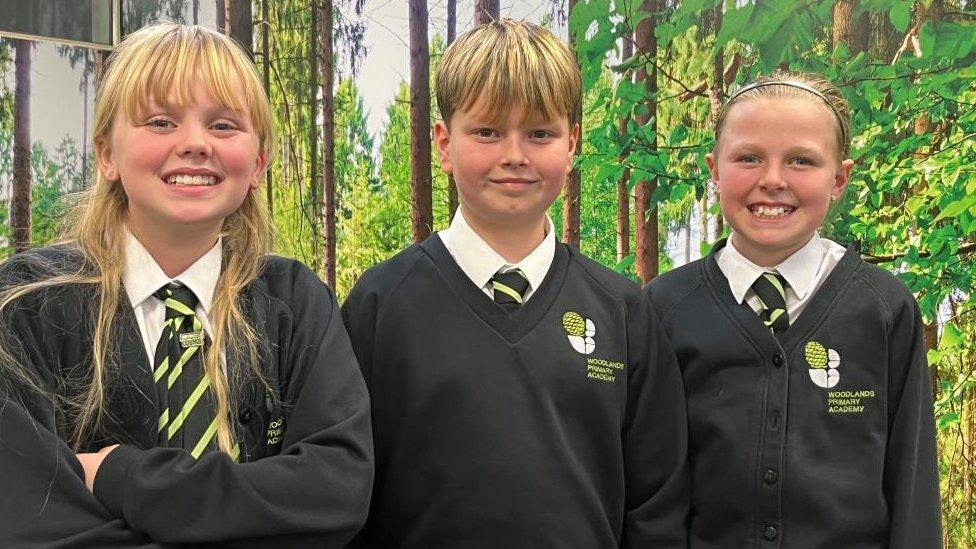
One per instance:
(522, 394)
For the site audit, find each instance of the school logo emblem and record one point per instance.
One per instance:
(580, 332)
(823, 364)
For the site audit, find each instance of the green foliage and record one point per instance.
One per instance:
(911, 204)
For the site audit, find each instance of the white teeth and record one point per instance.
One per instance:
(192, 180)
(771, 212)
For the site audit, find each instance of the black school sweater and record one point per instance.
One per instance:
(307, 451)
(518, 431)
(823, 438)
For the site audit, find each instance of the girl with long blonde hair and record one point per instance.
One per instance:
(162, 378)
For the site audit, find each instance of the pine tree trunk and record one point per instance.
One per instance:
(20, 207)
(645, 214)
(571, 189)
(221, 15)
(452, 193)
(326, 73)
(422, 219)
(716, 100)
(623, 192)
(266, 76)
(240, 24)
(486, 11)
(315, 216)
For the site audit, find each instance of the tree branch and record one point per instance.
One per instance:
(965, 249)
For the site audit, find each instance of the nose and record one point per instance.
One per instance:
(514, 153)
(195, 142)
(773, 177)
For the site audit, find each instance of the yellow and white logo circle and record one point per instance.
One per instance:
(823, 364)
(580, 332)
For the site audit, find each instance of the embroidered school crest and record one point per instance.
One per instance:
(580, 332)
(823, 364)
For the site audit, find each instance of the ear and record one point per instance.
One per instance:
(103, 155)
(842, 178)
(573, 139)
(260, 164)
(442, 139)
(712, 167)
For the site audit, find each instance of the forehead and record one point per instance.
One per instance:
(781, 118)
(515, 115)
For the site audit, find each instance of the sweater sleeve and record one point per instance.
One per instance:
(44, 501)
(911, 477)
(655, 441)
(314, 493)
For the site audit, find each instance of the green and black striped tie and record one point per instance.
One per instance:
(509, 288)
(187, 419)
(771, 289)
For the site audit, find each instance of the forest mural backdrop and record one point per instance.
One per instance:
(654, 73)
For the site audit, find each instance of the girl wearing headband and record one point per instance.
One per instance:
(810, 410)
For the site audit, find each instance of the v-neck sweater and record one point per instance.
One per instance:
(561, 424)
(821, 436)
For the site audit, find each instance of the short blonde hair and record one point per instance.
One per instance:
(509, 63)
(795, 85)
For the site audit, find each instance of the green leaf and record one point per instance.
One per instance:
(900, 15)
(947, 420)
(952, 337)
(957, 207)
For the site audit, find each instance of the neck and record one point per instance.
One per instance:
(512, 241)
(174, 253)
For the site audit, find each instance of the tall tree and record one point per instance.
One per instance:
(315, 214)
(422, 216)
(326, 74)
(716, 99)
(239, 24)
(452, 196)
(623, 189)
(645, 213)
(486, 11)
(571, 188)
(266, 78)
(20, 211)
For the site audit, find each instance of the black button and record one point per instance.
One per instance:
(770, 533)
(770, 476)
(777, 360)
(245, 415)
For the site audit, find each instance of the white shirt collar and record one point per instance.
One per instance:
(142, 276)
(800, 269)
(480, 262)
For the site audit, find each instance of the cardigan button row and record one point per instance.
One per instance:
(770, 532)
(770, 476)
(777, 360)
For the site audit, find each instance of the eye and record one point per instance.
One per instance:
(802, 161)
(747, 158)
(485, 133)
(160, 123)
(224, 126)
(541, 134)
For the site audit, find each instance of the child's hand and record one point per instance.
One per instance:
(91, 463)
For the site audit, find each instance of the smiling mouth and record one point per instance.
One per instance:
(191, 180)
(771, 212)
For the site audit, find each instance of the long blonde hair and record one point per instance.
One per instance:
(162, 62)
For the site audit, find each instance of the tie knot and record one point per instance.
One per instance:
(179, 299)
(510, 287)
